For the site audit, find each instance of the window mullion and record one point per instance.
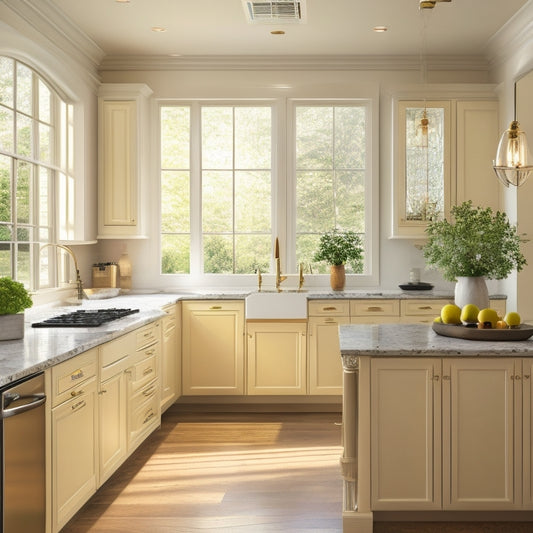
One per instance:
(196, 189)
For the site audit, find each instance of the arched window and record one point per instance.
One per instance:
(36, 174)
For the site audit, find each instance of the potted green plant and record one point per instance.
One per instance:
(338, 248)
(14, 299)
(479, 244)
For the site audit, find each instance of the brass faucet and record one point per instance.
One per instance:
(301, 277)
(79, 284)
(259, 279)
(279, 277)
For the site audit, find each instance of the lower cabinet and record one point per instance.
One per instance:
(170, 356)
(277, 357)
(473, 464)
(74, 445)
(213, 347)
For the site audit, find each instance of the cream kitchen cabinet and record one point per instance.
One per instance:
(374, 311)
(473, 464)
(123, 156)
(527, 433)
(170, 356)
(213, 347)
(74, 459)
(144, 395)
(115, 358)
(277, 357)
(325, 364)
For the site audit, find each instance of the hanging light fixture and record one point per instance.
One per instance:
(513, 163)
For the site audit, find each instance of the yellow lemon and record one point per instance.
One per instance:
(450, 314)
(513, 319)
(437, 319)
(469, 313)
(488, 315)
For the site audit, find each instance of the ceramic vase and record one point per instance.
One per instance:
(337, 277)
(11, 327)
(471, 290)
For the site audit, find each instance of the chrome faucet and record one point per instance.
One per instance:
(79, 284)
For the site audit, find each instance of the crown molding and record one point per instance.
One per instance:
(53, 25)
(515, 34)
(295, 62)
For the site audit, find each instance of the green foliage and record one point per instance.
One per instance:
(14, 297)
(338, 248)
(479, 243)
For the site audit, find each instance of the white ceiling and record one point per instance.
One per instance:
(334, 27)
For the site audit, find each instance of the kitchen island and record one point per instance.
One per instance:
(434, 428)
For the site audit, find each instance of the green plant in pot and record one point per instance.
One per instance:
(14, 299)
(338, 248)
(478, 245)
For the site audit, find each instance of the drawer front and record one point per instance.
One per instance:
(329, 308)
(117, 349)
(68, 378)
(375, 308)
(143, 372)
(423, 307)
(143, 419)
(148, 335)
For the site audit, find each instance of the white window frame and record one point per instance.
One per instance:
(283, 195)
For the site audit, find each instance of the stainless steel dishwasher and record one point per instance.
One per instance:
(22, 420)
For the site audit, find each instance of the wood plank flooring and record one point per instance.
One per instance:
(238, 473)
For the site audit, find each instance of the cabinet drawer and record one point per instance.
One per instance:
(329, 308)
(143, 419)
(144, 371)
(68, 378)
(117, 349)
(375, 308)
(423, 307)
(147, 335)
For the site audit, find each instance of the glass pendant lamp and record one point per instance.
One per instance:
(513, 163)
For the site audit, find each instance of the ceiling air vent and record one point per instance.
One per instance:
(276, 12)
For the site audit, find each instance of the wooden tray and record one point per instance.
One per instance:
(520, 333)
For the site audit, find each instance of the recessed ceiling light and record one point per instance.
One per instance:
(277, 32)
(159, 29)
(380, 29)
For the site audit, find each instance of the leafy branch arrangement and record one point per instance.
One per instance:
(478, 243)
(338, 248)
(14, 297)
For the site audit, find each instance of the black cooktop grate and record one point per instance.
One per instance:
(84, 318)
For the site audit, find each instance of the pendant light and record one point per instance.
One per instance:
(513, 163)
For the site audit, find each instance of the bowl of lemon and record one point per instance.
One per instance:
(472, 323)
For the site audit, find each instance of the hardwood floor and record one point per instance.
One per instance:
(238, 472)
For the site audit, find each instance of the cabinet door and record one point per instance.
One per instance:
(477, 137)
(325, 363)
(478, 424)
(276, 357)
(112, 425)
(169, 359)
(74, 458)
(527, 432)
(213, 347)
(405, 433)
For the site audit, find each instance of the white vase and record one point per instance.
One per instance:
(471, 290)
(11, 327)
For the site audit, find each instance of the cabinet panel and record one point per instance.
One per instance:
(479, 419)
(405, 434)
(213, 347)
(329, 308)
(277, 357)
(170, 358)
(527, 433)
(325, 363)
(375, 308)
(74, 457)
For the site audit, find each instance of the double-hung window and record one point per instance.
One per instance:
(35, 169)
(234, 176)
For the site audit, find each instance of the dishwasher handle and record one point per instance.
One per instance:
(35, 401)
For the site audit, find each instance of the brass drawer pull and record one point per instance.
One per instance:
(374, 309)
(79, 405)
(425, 307)
(74, 393)
(215, 307)
(150, 352)
(148, 416)
(76, 375)
(331, 308)
(148, 371)
(149, 392)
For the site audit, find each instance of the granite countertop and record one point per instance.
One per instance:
(419, 340)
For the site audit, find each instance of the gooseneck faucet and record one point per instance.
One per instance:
(279, 277)
(79, 284)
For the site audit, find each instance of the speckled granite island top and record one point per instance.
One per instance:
(419, 340)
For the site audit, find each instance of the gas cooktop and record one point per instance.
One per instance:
(84, 318)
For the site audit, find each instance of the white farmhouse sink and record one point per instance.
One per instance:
(280, 305)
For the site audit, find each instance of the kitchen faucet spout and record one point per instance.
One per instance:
(79, 284)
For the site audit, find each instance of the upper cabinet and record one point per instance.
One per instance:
(444, 152)
(123, 160)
